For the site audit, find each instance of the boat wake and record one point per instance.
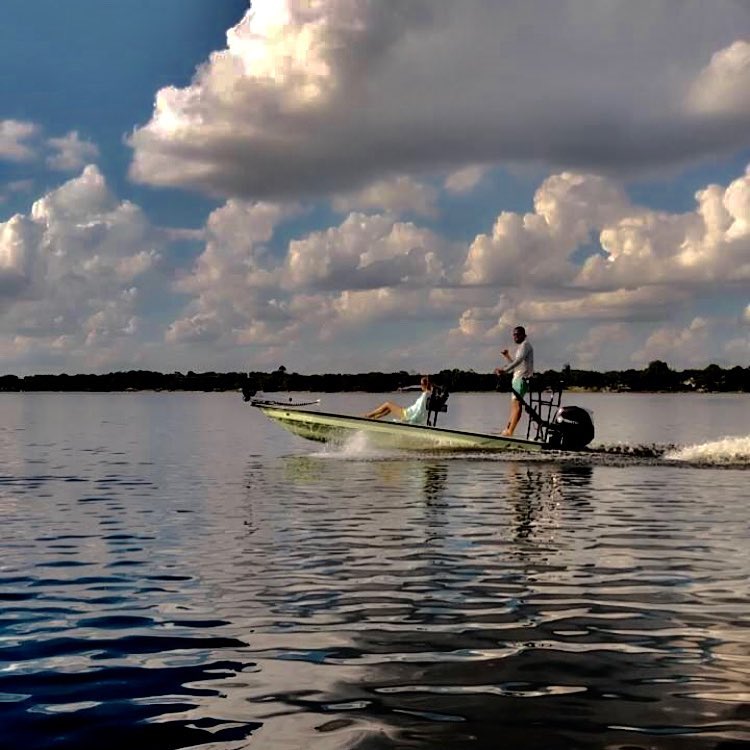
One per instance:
(641, 450)
(729, 451)
(356, 446)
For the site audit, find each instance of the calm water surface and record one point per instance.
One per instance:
(175, 571)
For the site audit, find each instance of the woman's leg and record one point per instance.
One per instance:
(388, 407)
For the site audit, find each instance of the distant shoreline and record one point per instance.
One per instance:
(396, 390)
(658, 377)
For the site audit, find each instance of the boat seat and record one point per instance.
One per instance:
(436, 403)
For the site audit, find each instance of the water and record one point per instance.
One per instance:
(175, 571)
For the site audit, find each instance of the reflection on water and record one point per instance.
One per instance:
(474, 599)
(195, 594)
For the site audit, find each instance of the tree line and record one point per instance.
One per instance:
(657, 376)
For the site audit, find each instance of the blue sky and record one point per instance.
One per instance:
(348, 186)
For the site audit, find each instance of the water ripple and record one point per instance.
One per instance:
(202, 596)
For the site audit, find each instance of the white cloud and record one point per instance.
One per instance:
(368, 269)
(235, 257)
(398, 195)
(16, 236)
(645, 303)
(464, 180)
(113, 320)
(354, 308)
(14, 140)
(650, 267)
(484, 322)
(372, 276)
(706, 247)
(71, 273)
(602, 344)
(194, 329)
(723, 87)
(82, 283)
(234, 281)
(367, 252)
(70, 152)
(536, 247)
(637, 247)
(326, 96)
(683, 347)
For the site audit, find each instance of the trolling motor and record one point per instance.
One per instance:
(567, 428)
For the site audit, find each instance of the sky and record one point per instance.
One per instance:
(373, 185)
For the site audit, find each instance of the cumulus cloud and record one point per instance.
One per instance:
(234, 281)
(71, 272)
(628, 246)
(706, 247)
(194, 329)
(588, 256)
(586, 269)
(331, 95)
(536, 247)
(14, 140)
(398, 195)
(70, 152)
(367, 252)
(16, 236)
(369, 268)
(672, 344)
(595, 277)
(723, 87)
(235, 258)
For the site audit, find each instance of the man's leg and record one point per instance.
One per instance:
(515, 416)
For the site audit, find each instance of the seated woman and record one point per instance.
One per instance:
(414, 414)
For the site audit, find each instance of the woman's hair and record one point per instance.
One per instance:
(425, 380)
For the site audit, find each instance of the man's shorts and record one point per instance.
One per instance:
(520, 386)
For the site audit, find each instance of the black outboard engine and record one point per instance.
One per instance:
(572, 429)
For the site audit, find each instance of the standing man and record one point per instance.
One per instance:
(522, 365)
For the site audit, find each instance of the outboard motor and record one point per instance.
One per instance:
(572, 429)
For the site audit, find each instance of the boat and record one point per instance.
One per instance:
(550, 426)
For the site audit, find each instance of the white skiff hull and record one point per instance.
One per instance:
(337, 428)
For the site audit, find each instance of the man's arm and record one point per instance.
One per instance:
(520, 355)
(500, 370)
